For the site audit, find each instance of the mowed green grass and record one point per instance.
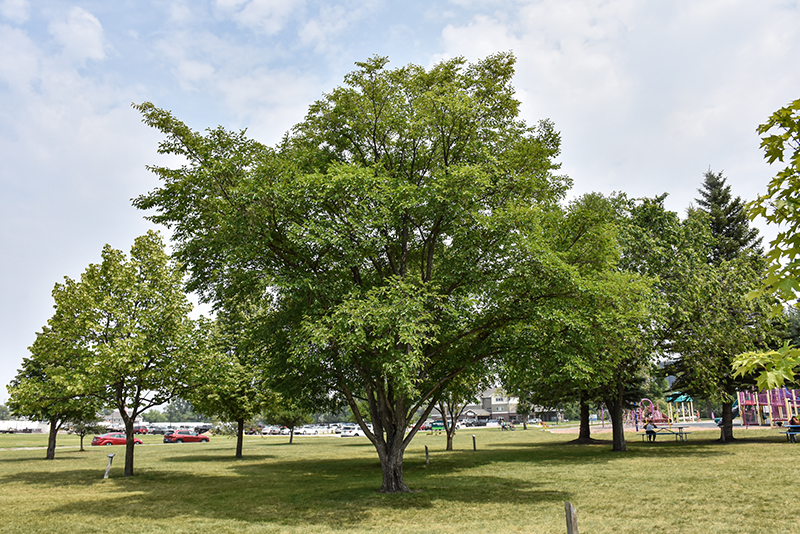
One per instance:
(515, 482)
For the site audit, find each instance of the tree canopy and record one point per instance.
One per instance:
(396, 235)
(121, 334)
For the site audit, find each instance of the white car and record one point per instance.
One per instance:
(349, 431)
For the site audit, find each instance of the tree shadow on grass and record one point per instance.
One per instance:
(300, 494)
(218, 458)
(336, 492)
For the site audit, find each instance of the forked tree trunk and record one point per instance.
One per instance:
(51, 438)
(726, 425)
(391, 457)
(239, 437)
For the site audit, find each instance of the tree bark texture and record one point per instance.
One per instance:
(129, 445)
(617, 421)
(726, 426)
(51, 438)
(239, 437)
(585, 430)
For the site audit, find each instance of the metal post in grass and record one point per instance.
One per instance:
(108, 468)
(427, 456)
(572, 518)
(474, 443)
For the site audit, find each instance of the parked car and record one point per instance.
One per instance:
(140, 430)
(349, 431)
(185, 436)
(113, 438)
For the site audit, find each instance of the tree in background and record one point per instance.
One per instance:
(154, 415)
(180, 409)
(284, 412)
(711, 320)
(237, 391)
(589, 351)
(727, 220)
(88, 425)
(458, 394)
(36, 391)
(402, 228)
(5, 413)
(121, 334)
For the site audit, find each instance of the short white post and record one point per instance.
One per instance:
(108, 468)
(474, 444)
(572, 518)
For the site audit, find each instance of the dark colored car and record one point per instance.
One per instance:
(113, 438)
(184, 436)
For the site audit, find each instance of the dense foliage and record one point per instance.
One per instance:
(396, 237)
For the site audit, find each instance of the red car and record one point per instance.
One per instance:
(184, 436)
(113, 439)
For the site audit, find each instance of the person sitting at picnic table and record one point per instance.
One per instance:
(794, 421)
(650, 429)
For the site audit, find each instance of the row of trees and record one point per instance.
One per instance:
(407, 240)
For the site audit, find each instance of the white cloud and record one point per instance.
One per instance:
(19, 59)
(267, 16)
(81, 35)
(190, 72)
(14, 10)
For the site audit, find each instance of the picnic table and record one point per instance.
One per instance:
(791, 432)
(678, 431)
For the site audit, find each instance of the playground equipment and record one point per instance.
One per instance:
(644, 410)
(681, 407)
(768, 407)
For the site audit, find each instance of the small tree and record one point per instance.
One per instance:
(86, 426)
(121, 335)
(458, 395)
(36, 392)
(282, 411)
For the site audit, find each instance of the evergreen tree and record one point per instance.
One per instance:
(727, 218)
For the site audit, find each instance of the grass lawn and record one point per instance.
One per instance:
(515, 482)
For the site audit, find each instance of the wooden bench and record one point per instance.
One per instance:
(679, 436)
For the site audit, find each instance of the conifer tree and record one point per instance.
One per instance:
(728, 220)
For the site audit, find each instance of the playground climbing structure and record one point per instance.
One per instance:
(768, 407)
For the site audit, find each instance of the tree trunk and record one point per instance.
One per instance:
(585, 434)
(82, 436)
(450, 434)
(617, 421)
(392, 466)
(239, 437)
(726, 425)
(51, 439)
(129, 445)
(291, 435)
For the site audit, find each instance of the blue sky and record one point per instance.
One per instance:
(647, 95)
